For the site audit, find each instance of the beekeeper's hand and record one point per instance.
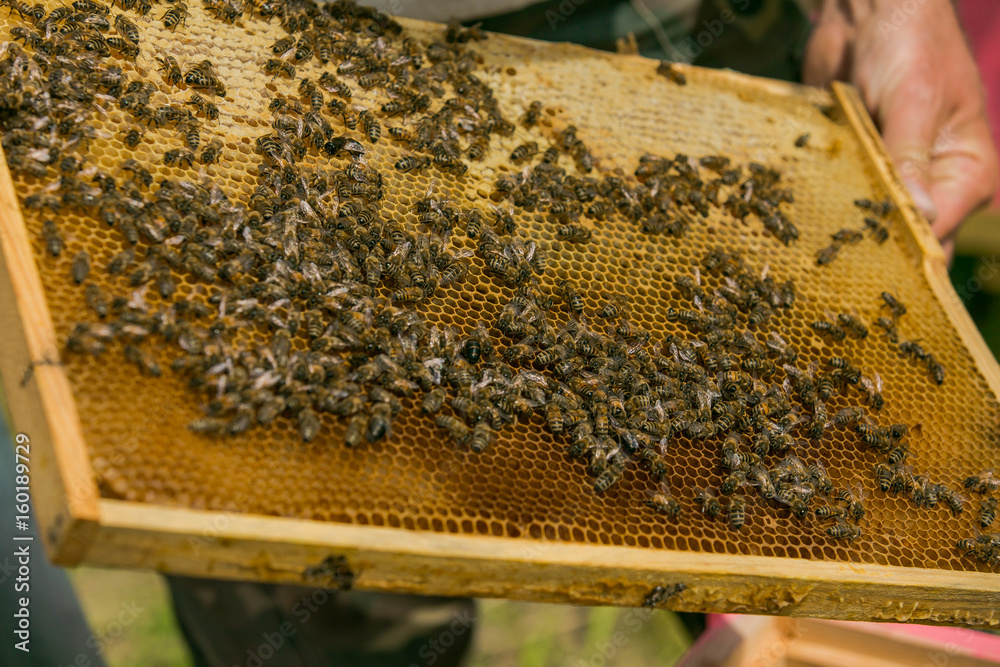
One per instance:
(915, 73)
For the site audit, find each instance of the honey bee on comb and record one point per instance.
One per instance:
(296, 278)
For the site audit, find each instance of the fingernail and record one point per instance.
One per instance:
(921, 198)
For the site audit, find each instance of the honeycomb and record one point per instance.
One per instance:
(525, 485)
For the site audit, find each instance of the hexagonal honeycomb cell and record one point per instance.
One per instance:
(525, 485)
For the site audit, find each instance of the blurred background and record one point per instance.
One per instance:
(530, 635)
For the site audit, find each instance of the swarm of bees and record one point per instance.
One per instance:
(335, 283)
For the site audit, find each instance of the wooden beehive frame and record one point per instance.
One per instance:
(79, 526)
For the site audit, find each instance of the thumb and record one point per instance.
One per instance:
(910, 124)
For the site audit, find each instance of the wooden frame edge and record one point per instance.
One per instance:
(39, 396)
(933, 260)
(232, 546)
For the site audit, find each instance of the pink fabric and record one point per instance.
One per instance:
(974, 644)
(981, 20)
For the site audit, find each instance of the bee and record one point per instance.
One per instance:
(878, 231)
(873, 391)
(84, 6)
(175, 15)
(121, 261)
(572, 297)
(127, 29)
(379, 422)
(412, 163)
(96, 300)
(600, 415)
(844, 531)
(830, 512)
(935, 369)
(802, 141)
(733, 482)
(613, 308)
(661, 594)
(309, 424)
(279, 67)
(304, 49)
(524, 151)
(737, 511)
(532, 114)
(826, 255)
(834, 331)
(178, 157)
(123, 46)
(955, 501)
(794, 499)
(482, 434)
(433, 401)
(762, 480)
(371, 126)
(357, 428)
(988, 512)
(819, 477)
(610, 475)
(80, 268)
(209, 426)
(373, 80)
(663, 501)
(895, 307)
(554, 417)
(671, 72)
(283, 45)
(146, 363)
(473, 224)
(52, 238)
(333, 84)
(192, 136)
(853, 326)
(883, 475)
(455, 427)
(849, 236)
(211, 153)
(710, 505)
(139, 173)
(170, 68)
(912, 348)
(985, 482)
(890, 328)
(478, 345)
(478, 147)
(898, 454)
(850, 373)
(134, 135)
(401, 134)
